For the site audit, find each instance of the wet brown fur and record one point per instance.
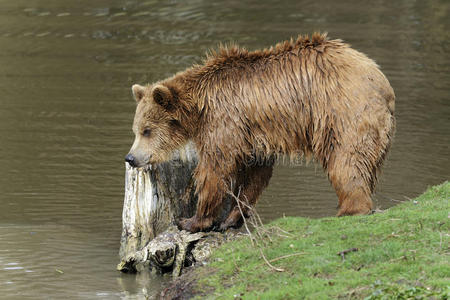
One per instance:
(310, 97)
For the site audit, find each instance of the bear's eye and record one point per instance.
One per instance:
(146, 132)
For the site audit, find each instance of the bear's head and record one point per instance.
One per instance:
(157, 127)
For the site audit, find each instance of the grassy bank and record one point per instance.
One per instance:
(399, 253)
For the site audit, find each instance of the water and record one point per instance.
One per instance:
(66, 112)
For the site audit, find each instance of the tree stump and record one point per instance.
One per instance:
(155, 198)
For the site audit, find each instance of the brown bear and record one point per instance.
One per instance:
(312, 97)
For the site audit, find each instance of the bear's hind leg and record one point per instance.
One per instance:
(251, 183)
(353, 179)
(355, 161)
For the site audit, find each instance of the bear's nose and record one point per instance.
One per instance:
(130, 159)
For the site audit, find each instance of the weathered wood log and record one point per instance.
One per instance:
(155, 198)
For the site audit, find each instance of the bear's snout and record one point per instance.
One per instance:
(131, 160)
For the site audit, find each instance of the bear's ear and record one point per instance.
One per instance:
(138, 92)
(163, 96)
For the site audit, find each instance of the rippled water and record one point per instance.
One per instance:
(66, 69)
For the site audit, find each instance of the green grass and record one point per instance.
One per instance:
(402, 253)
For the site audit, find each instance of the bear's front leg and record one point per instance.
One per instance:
(211, 188)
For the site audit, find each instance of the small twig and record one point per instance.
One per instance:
(254, 218)
(259, 219)
(259, 227)
(342, 253)
(283, 236)
(254, 222)
(286, 256)
(392, 235)
(403, 257)
(394, 200)
(259, 230)
(243, 217)
(268, 263)
(278, 228)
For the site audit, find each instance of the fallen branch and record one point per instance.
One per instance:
(257, 224)
(286, 256)
(268, 263)
(342, 253)
(284, 231)
(243, 217)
